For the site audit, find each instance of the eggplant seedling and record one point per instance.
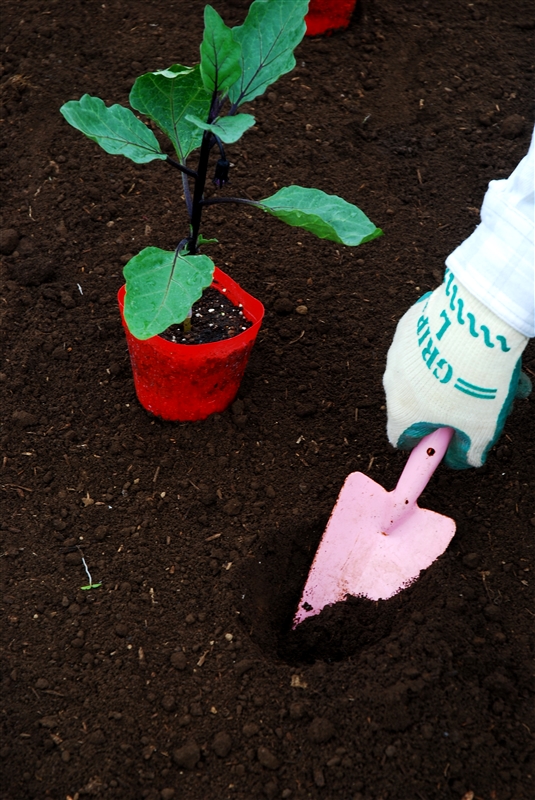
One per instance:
(197, 108)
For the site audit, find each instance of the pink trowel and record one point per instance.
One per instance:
(377, 542)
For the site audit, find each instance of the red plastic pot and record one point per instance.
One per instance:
(326, 16)
(186, 382)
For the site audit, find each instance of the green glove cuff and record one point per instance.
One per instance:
(456, 455)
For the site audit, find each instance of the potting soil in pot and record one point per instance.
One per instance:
(213, 318)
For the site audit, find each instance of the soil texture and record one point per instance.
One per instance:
(179, 677)
(213, 319)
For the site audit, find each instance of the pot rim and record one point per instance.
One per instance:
(252, 308)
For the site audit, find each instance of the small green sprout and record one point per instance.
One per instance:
(90, 585)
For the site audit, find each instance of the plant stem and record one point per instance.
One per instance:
(200, 178)
(212, 201)
(221, 148)
(198, 191)
(186, 171)
(187, 194)
(181, 167)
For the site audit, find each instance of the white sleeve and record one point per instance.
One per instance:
(497, 262)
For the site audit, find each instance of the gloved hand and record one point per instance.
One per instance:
(453, 363)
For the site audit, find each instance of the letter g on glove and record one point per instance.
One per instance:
(453, 363)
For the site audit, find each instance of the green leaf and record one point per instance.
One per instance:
(326, 215)
(202, 240)
(116, 129)
(220, 54)
(229, 129)
(167, 97)
(161, 287)
(271, 32)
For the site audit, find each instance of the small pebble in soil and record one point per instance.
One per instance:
(24, 418)
(96, 737)
(319, 778)
(9, 240)
(100, 532)
(513, 126)
(297, 711)
(178, 660)
(243, 666)
(207, 495)
(250, 729)
(428, 731)
(148, 751)
(283, 306)
(168, 702)
(267, 758)
(471, 560)
(306, 409)
(233, 507)
(187, 756)
(222, 744)
(271, 789)
(320, 730)
(492, 612)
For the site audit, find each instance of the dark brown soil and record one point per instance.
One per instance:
(213, 319)
(178, 677)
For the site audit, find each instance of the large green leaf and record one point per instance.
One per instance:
(326, 215)
(161, 287)
(220, 54)
(167, 97)
(268, 37)
(116, 129)
(229, 129)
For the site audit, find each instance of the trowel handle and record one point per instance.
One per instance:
(421, 465)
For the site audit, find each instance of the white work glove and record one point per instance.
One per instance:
(453, 363)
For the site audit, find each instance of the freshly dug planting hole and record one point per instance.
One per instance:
(340, 631)
(270, 586)
(271, 581)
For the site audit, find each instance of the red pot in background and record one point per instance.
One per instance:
(325, 16)
(187, 382)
